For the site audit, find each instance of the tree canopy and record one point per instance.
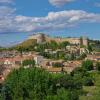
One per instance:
(88, 65)
(37, 84)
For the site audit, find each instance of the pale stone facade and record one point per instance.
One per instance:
(38, 60)
(42, 38)
(39, 37)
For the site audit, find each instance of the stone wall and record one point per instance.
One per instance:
(42, 37)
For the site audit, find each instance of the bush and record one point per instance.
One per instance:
(98, 66)
(28, 62)
(63, 94)
(88, 65)
(88, 81)
(79, 71)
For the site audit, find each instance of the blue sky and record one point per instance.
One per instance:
(21, 18)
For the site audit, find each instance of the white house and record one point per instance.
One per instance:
(7, 62)
(38, 60)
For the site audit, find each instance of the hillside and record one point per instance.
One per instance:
(27, 43)
(41, 38)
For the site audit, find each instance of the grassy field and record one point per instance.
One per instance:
(93, 92)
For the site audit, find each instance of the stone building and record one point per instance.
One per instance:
(85, 41)
(38, 60)
(40, 38)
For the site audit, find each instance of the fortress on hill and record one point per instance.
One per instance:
(40, 38)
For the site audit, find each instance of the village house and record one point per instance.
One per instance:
(8, 64)
(7, 54)
(69, 66)
(96, 53)
(83, 50)
(93, 57)
(11, 62)
(38, 60)
(54, 70)
(52, 62)
(73, 49)
(46, 64)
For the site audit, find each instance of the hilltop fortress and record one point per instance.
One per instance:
(40, 38)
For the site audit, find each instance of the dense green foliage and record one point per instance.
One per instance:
(98, 66)
(36, 84)
(92, 92)
(28, 63)
(82, 75)
(88, 65)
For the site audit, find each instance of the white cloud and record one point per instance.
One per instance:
(5, 11)
(53, 21)
(6, 1)
(59, 2)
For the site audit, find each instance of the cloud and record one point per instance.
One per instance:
(59, 2)
(5, 11)
(6, 1)
(53, 21)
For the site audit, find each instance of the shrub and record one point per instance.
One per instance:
(88, 65)
(98, 66)
(88, 81)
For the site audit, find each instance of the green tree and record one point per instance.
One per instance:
(37, 84)
(53, 45)
(88, 65)
(6, 93)
(63, 45)
(28, 62)
(63, 94)
(88, 81)
(98, 66)
(90, 48)
(29, 84)
(79, 71)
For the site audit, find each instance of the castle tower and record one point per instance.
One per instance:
(84, 41)
(40, 38)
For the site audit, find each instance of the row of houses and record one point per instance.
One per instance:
(7, 64)
(7, 53)
(69, 49)
(48, 64)
(93, 57)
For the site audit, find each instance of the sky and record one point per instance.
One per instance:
(73, 18)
